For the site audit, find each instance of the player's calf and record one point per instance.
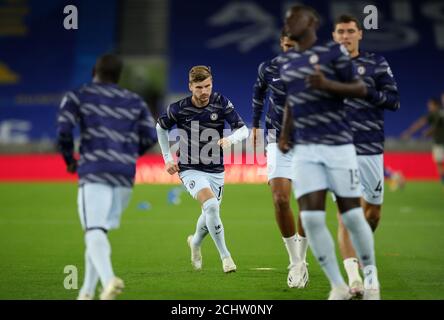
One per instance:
(362, 239)
(372, 214)
(281, 192)
(281, 202)
(360, 234)
(322, 246)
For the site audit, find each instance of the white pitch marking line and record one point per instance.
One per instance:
(406, 209)
(263, 269)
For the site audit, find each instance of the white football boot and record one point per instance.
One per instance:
(371, 284)
(228, 265)
(340, 293)
(298, 275)
(85, 296)
(113, 289)
(196, 256)
(357, 289)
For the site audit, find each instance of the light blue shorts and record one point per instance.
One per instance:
(321, 167)
(279, 164)
(100, 206)
(371, 171)
(195, 180)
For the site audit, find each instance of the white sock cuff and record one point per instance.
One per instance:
(312, 217)
(350, 261)
(354, 218)
(291, 238)
(350, 214)
(313, 213)
(94, 235)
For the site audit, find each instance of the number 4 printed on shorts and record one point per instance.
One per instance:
(379, 187)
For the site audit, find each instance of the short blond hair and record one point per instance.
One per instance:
(199, 73)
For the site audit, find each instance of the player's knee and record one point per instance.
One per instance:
(95, 237)
(211, 207)
(204, 195)
(281, 201)
(312, 221)
(347, 204)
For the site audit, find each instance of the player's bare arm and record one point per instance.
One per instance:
(284, 139)
(254, 137)
(415, 127)
(224, 143)
(171, 168)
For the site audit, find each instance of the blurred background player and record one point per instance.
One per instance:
(324, 154)
(394, 178)
(279, 164)
(366, 117)
(435, 121)
(203, 173)
(115, 128)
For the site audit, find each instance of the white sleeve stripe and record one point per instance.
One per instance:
(73, 97)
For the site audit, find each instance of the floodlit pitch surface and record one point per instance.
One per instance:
(40, 234)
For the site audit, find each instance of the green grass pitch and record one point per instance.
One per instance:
(40, 234)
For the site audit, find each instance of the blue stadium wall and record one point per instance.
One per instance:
(40, 59)
(233, 37)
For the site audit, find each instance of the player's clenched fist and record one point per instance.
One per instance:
(72, 167)
(284, 145)
(172, 168)
(224, 143)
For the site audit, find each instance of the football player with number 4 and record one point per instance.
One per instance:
(366, 117)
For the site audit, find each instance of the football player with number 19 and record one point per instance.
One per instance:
(324, 154)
